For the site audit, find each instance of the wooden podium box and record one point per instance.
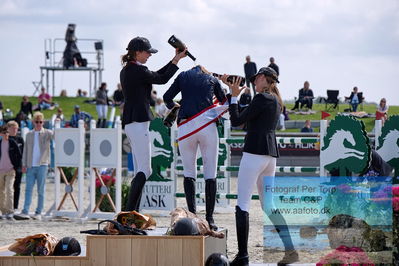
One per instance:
(133, 250)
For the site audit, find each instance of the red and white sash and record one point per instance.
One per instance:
(201, 120)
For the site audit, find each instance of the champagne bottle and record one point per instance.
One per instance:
(176, 43)
(171, 117)
(230, 78)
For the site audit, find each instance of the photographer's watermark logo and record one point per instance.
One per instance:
(346, 146)
(388, 147)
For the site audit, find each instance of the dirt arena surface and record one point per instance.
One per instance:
(61, 226)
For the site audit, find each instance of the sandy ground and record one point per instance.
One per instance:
(60, 227)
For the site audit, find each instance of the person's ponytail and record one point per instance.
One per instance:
(275, 91)
(127, 57)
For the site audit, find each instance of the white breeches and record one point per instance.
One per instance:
(255, 168)
(140, 141)
(208, 141)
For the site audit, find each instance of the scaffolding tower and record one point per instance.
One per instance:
(53, 62)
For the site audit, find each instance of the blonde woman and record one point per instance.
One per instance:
(258, 162)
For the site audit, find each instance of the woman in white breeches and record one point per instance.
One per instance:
(258, 162)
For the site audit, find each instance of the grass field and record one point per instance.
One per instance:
(67, 104)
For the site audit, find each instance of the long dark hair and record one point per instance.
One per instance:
(129, 56)
(273, 90)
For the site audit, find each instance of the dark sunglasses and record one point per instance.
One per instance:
(39, 122)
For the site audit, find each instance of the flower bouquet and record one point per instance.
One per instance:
(346, 256)
(35, 245)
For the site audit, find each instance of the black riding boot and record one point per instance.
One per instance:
(242, 228)
(104, 123)
(189, 190)
(136, 189)
(210, 199)
(99, 123)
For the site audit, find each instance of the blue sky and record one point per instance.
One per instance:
(332, 44)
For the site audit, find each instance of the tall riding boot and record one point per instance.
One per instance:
(242, 228)
(136, 189)
(210, 199)
(291, 255)
(98, 123)
(104, 123)
(189, 190)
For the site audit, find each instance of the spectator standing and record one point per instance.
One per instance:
(35, 160)
(79, 115)
(12, 131)
(102, 105)
(305, 97)
(118, 96)
(245, 99)
(250, 70)
(274, 66)
(60, 114)
(307, 128)
(10, 159)
(26, 106)
(44, 99)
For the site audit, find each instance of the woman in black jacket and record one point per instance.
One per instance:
(258, 162)
(136, 81)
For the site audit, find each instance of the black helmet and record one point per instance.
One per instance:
(141, 44)
(67, 246)
(268, 72)
(185, 227)
(217, 259)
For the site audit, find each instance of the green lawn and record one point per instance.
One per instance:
(368, 108)
(66, 103)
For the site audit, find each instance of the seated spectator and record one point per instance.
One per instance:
(245, 99)
(84, 94)
(307, 127)
(1, 106)
(63, 93)
(45, 101)
(160, 108)
(305, 97)
(79, 115)
(118, 96)
(26, 106)
(382, 111)
(79, 93)
(355, 99)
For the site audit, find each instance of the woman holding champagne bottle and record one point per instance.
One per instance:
(258, 162)
(136, 80)
(197, 129)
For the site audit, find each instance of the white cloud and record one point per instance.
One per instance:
(310, 39)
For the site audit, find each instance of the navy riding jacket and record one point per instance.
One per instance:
(197, 90)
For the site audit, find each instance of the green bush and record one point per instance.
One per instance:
(105, 205)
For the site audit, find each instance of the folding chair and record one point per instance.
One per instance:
(332, 101)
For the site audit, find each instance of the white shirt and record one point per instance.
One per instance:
(36, 150)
